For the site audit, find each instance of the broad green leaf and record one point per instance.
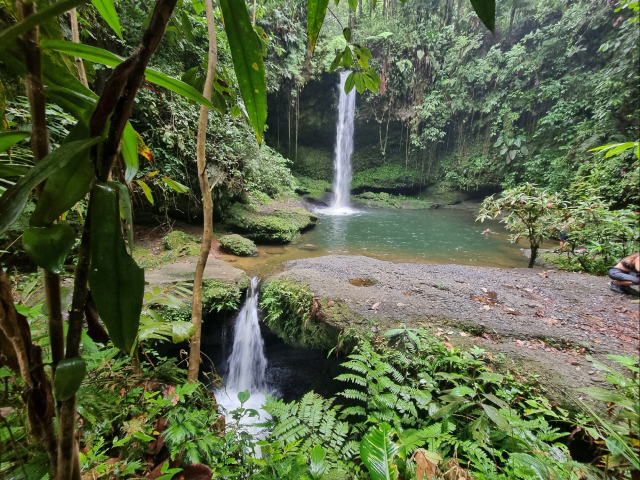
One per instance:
(130, 152)
(244, 396)
(377, 451)
(9, 138)
(69, 375)
(347, 58)
(187, 28)
(178, 187)
(539, 468)
(316, 11)
(108, 12)
(8, 170)
(125, 209)
(146, 190)
(491, 377)
(362, 60)
(79, 105)
(98, 55)
(359, 82)
(14, 199)
(235, 111)
(486, 10)
(247, 62)
(495, 416)
(181, 331)
(346, 33)
(49, 246)
(319, 465)
(350, 82)
(374, 76)
(68, 185)
(8, 36)
(198, 7)
(353, 4)
(117, 283)
(336, 62)
(461, 391)
(605, 395)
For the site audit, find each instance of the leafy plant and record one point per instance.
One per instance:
(527, 211)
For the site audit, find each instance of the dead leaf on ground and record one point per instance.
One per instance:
(540, 313)
(492, 296)
(375, 306)
(426, 466)
(550, 321)
(513, 312)
(448, 346)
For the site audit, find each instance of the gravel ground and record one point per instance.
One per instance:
(546, 320)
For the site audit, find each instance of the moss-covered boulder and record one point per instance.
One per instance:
(238, 245)
(175, 240)
(220, 295)
(276, 223)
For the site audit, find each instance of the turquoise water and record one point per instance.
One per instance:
(421, 236)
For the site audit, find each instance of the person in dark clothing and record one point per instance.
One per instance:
(625, 273)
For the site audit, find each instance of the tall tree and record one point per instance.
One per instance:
(207, 202)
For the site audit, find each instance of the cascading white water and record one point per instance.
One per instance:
(247, 364)
(344, 147)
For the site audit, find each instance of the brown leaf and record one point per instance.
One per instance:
(448, 345)
(513, 312)
(540, 313)
(195, 471)
(425, 466)
(550, 321)
(492, 296)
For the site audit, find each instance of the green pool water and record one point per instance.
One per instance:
(421, 236)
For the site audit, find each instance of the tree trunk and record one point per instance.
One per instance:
(534, 254)
(207, 202)
(75, 36)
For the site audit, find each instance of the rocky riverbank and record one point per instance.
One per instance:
(547, 321)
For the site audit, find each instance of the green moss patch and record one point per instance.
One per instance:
(269, 225)
(238, 245)
(219, 296)
(387, 176)
(175, 240)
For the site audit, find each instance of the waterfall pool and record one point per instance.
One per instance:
(419, 236)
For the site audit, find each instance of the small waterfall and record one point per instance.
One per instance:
(344, 147)
(247, 364)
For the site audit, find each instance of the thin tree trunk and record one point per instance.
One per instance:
(534, 254)
(253, 20)
(75, 36)
(207, 202)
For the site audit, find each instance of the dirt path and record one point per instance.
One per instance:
(547, 320)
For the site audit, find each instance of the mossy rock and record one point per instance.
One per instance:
(387, 176)
(269, 225)
(222, 296)
(175, 240)
(238, 245)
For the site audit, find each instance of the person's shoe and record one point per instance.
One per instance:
(616, 288)
(629, 290)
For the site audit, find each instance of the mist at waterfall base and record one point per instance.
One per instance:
(344, 149)
(248, 355)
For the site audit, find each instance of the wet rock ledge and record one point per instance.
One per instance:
(547, 321)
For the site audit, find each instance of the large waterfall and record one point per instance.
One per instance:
(344, 148)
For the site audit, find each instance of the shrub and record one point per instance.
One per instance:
(174, 240)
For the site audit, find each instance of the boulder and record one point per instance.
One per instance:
(238, 245)
(275, 223)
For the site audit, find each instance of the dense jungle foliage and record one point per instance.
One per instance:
(443, 103)
(460, 108)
